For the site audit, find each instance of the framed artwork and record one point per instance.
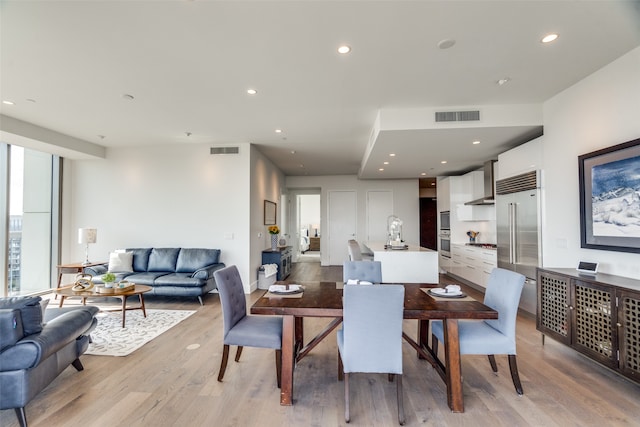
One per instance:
(610, 198)
(269, 213)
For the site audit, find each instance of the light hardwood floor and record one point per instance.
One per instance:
(167, 384)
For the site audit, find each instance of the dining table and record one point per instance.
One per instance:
(324, 299)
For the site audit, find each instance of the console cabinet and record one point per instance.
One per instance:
(597, 315)
(282, 257)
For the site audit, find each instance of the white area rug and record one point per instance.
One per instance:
(111, 339)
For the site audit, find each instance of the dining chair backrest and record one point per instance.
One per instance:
(355, 254)
(370, 271)
(503, 295)
(372, 328)
(232, 299)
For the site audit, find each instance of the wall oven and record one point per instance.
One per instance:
(445, 243)
(445, 222)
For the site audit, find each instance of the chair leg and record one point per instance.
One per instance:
(223, 364)
(22, 416)
(340, 368)
(78, 365)
(347, 417)
(390, 377)
(400, 400)
(238, 353)
(492, 361)
(513, 366)
(278, 367)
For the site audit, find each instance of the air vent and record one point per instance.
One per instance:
(225, 150)
(457, 116)
(523, 182)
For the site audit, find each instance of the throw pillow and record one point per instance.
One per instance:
(121, 262)
(29, 310)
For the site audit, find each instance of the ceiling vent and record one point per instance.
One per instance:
(457, 116)
(225, 150)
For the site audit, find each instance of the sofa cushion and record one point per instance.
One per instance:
(121, 262)
(10, 327)
(145, 278)
(190, 260)
(30, 312)
(179, 279)
(163, 259)
(140, 258)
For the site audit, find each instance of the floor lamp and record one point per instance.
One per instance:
(86, 236)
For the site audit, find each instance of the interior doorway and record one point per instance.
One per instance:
(309, 227)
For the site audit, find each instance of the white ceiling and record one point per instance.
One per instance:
(66, 65)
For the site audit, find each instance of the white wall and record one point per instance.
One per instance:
(166, 196)
(405, 199)
(600, 111)
(267, 183)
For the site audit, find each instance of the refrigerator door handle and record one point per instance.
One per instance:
(512, 233)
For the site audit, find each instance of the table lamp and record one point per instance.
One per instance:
(86, 236)
(315, 227)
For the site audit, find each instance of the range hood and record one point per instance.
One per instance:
(488, 198)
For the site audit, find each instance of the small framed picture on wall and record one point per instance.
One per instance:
(269, 213)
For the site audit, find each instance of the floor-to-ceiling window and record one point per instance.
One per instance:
(30, 213)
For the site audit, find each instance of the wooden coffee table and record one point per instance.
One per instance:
(67, 292)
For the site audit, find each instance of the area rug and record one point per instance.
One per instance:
(111, 339)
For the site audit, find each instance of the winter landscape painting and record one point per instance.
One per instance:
(610, 198)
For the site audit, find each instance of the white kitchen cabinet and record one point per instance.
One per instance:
(524, 158)
(444, 262)
(476, 212)
(473, 263)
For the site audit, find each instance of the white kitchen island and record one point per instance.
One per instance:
(412, 265)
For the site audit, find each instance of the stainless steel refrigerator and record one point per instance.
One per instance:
(518, 230)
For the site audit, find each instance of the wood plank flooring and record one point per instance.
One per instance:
(166, 383)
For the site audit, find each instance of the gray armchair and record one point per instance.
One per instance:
(35, 349)
(369, 271)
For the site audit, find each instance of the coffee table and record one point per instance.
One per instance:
(67, 292)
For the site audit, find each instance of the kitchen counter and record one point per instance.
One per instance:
(414, 264)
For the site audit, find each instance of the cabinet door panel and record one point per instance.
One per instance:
(593, 320)
(629, 333)
(553, 306)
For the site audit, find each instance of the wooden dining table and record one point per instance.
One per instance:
(324, 299)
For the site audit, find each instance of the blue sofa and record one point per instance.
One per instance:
(36, 348)
(169, 271)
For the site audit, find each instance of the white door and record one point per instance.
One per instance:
(379, 207)
(342, 224)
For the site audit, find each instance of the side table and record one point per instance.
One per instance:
(73, 268)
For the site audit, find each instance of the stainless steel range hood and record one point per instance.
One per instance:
(488, 198)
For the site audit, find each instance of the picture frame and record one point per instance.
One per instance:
(609, 198)
(269, 212)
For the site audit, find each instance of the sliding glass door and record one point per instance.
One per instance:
(30, 212)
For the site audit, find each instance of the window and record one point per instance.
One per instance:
(31, 212)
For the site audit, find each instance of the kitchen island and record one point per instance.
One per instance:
(414, 264)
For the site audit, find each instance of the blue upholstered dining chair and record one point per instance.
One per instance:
(370, 271)
(493, 336)
(239, 328)
(370, 340)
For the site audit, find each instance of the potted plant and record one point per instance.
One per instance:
(108, 278)
(274, 230)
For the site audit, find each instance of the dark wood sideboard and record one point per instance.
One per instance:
(597, 315)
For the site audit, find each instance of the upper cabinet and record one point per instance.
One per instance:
(466, 188)
(524, 158)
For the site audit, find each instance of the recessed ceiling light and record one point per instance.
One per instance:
(278, 130)
(344, 49)
(301, 165)
(433, 183)
(252, 91)
(423, 173)
(128, 97)
(7, 102)
(446, 43)
(293, 151)
(381, 169)
(385, 163)
(443, 162)
(503, 81)
(549, 38)
(392, 154)
(476, 142)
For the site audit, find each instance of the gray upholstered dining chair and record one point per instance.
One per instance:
(493, 336)
(370, 340)
(370, 271)
(239, 328)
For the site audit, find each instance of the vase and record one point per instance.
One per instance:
(274, 242)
